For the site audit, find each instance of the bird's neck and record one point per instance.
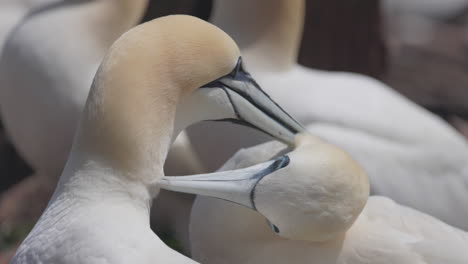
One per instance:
(267, 31)
(95, 208)
(88, 177)
(128, 123)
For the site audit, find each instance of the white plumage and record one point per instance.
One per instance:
(155, 80)
(384, 233)
(46, 70)
(410, 155)
(12, 12)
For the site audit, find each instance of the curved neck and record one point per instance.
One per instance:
(267, 31)
(126, 132)
(108, 208)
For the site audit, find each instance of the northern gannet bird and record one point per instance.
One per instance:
(46, 69)
(410, 155)
(312, 206)
(317, 196)
(155, 80)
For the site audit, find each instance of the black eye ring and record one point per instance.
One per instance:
(239, 68)
(273, 227)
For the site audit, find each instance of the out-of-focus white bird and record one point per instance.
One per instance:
(410, 155)
(12, 11)
(155, 80)
(310, 204)
(46, 69)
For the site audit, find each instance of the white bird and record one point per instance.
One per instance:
(296, 204)
(46, 69)
(155, 80)
(410, 155)
(311, 204)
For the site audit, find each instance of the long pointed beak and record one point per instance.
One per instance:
(236, 186)
(253, 107)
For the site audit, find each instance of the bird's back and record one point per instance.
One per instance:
(387, 232)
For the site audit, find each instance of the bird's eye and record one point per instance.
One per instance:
(236, 69)
(273, 227)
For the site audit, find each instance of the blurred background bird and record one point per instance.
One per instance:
(47, 65)
(417, 47)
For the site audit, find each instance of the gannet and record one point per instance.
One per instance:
(316, 197)
(410, 155)
(49, 92)
(46, 69)
(306, 213)
(155, 80)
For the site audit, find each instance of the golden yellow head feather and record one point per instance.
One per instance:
(130, 111)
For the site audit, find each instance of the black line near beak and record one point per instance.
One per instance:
(237, 186)
(254, 108)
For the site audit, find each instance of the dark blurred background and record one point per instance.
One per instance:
(422, 55)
